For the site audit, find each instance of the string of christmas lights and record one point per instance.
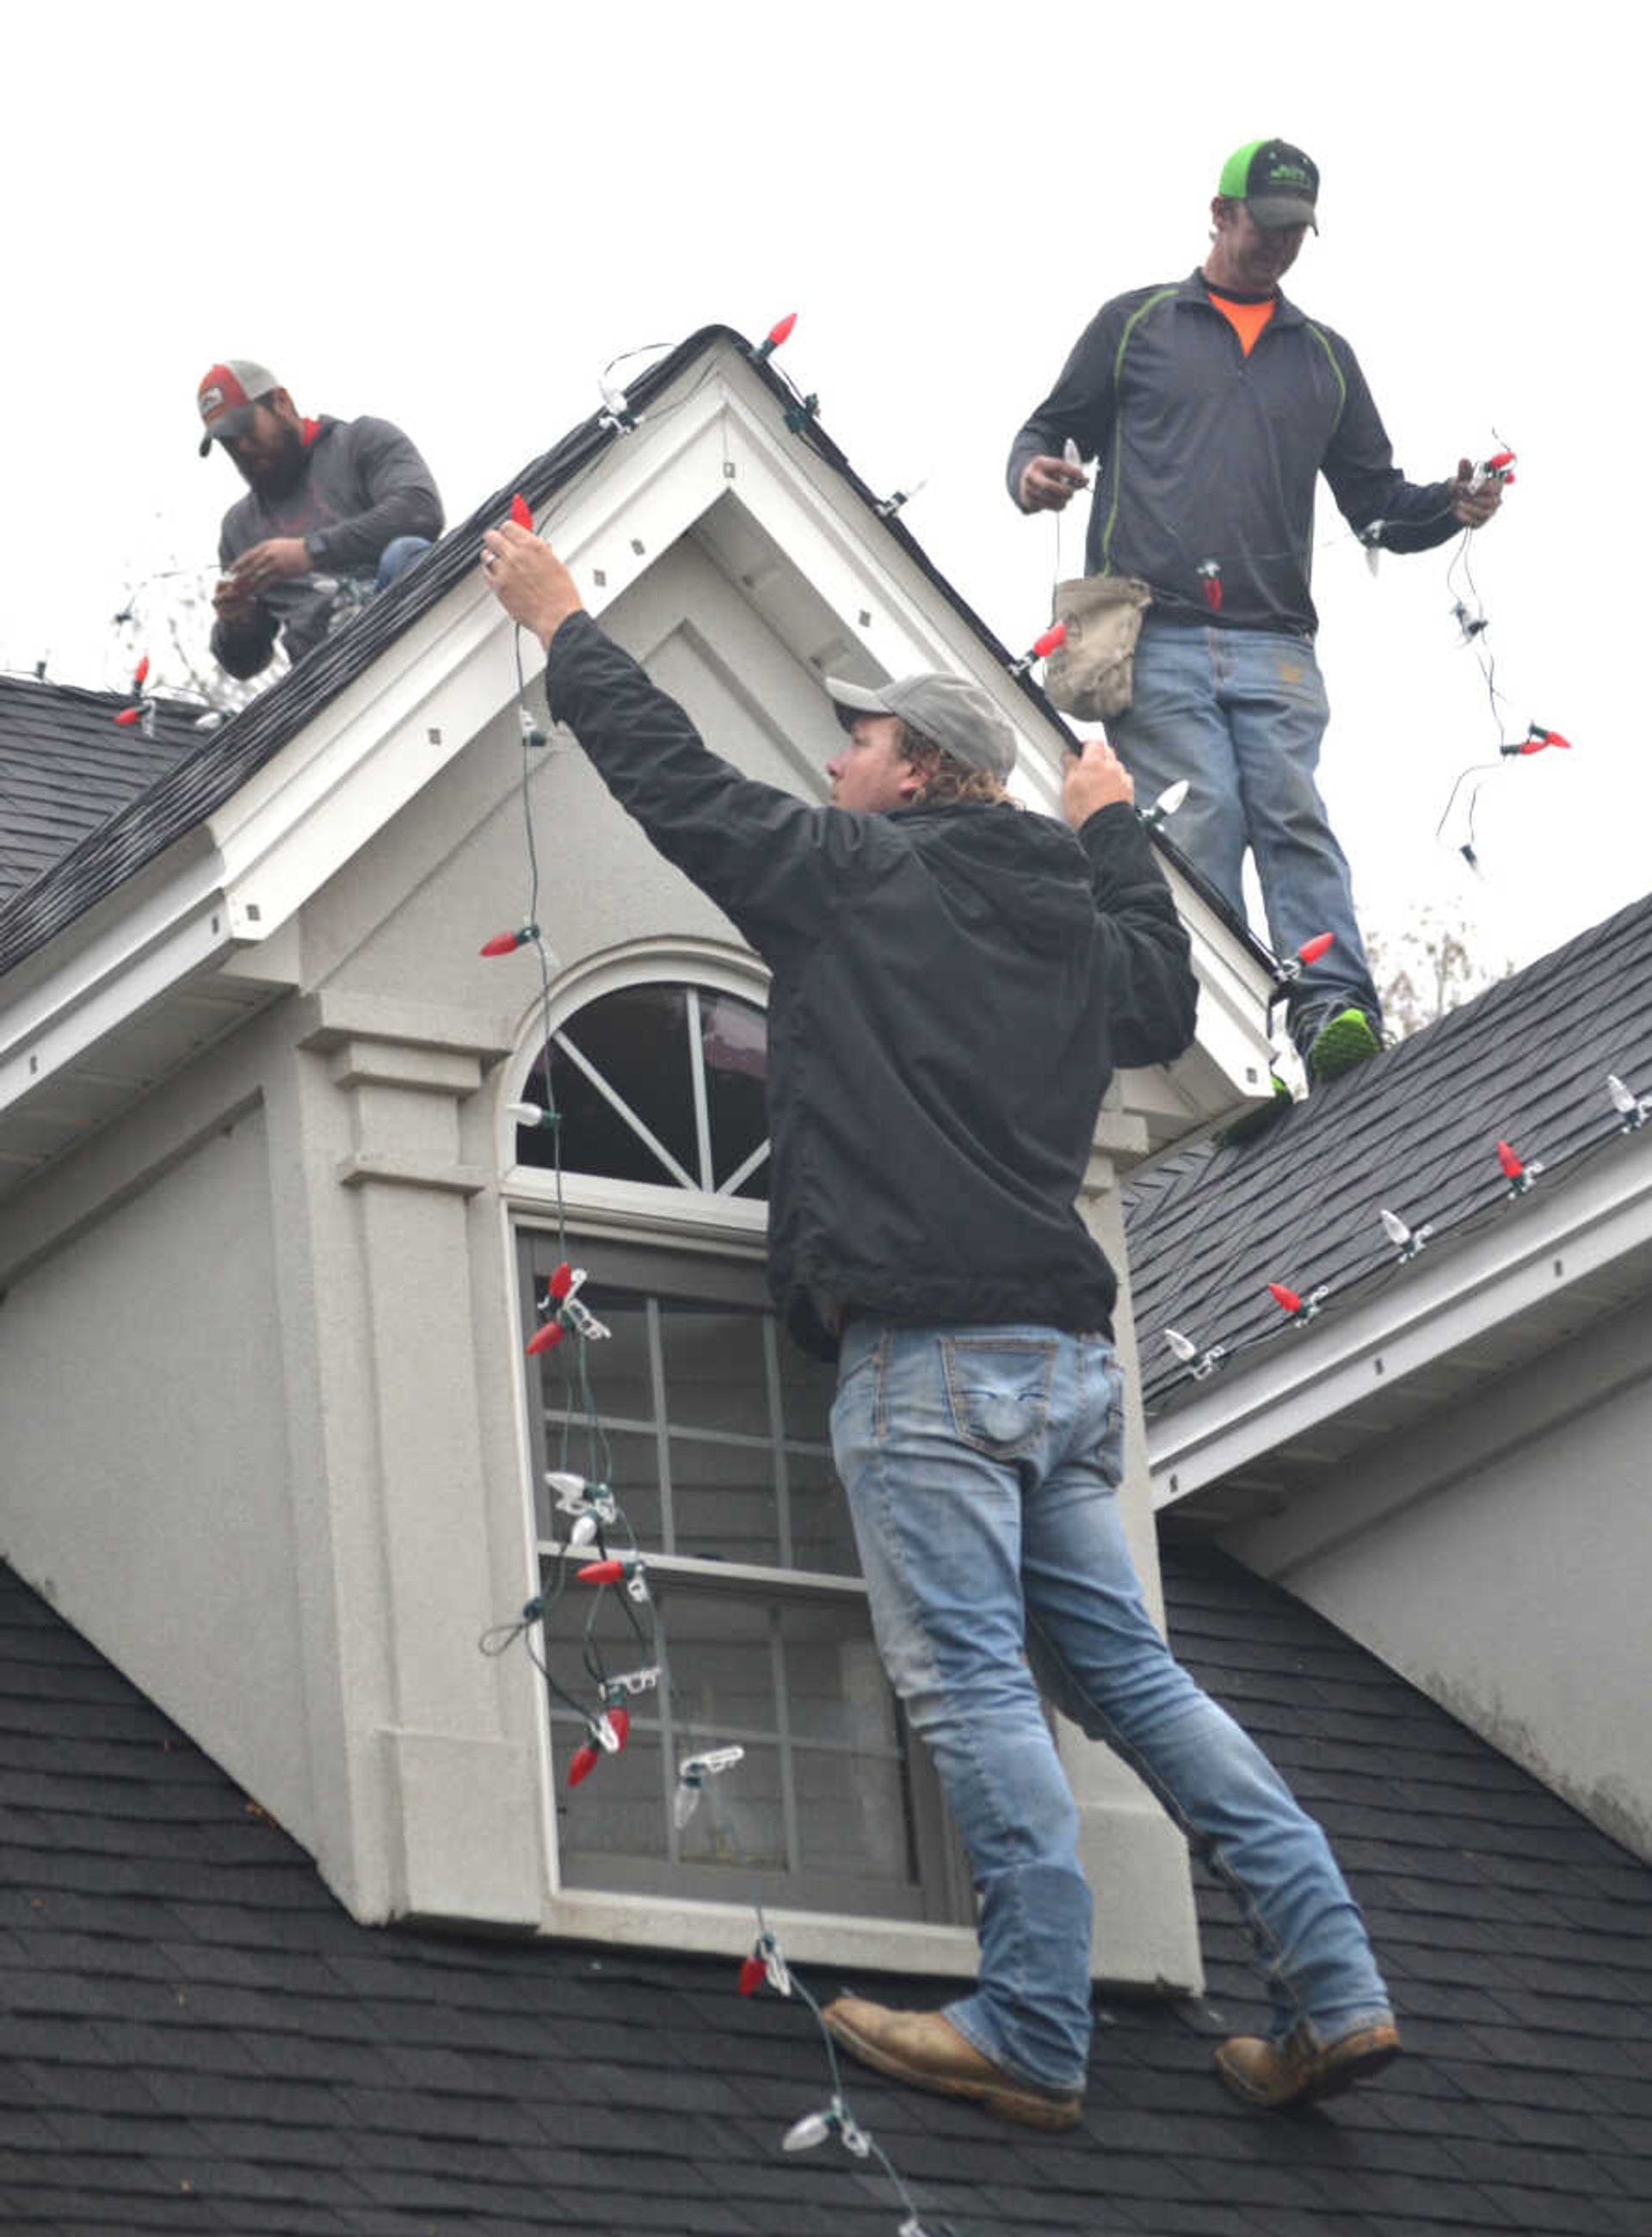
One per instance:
(835, 2120)
(596, 1544)
(1202, 1360)
(1473, 624)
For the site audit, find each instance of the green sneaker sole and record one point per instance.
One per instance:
(1346, 1040)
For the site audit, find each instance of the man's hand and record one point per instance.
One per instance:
(1474, 507)
(528, 580)
(1094, 777)
(233, 602)
(1047, 484)
(272, 561)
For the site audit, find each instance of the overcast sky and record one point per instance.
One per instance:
(458, 227)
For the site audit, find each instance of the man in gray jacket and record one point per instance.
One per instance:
(1210, 406)
(326, 498)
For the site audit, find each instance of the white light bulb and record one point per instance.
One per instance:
(1184, 1350)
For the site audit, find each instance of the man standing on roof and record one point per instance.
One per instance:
(954, 980)
(327, 498)
(1210, 406)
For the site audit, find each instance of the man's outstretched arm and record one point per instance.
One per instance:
(774, 863)
(1153, 994)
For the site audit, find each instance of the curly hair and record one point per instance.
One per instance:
(946, 779)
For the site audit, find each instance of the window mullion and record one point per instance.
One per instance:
(744, 1171)
(612, 1095)
(783, 1743)
(662, 1427)
(697, 1075)
(777, 1433)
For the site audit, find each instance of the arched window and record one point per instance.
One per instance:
(657, 1081)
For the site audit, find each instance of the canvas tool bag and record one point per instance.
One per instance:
(1090, 676)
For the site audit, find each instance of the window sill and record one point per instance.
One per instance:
(808, 1937)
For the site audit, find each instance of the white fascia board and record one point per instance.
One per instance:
(137, 959)
(1518, 1263)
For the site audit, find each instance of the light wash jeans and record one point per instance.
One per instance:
(397, 556)
(1241, 714)
(981, 1466)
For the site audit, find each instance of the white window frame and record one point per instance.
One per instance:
(661, 1218)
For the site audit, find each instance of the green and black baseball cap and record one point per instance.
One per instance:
(1277, 183)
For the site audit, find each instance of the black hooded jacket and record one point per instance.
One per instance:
(953, 986)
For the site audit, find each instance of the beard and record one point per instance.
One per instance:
(279, 476)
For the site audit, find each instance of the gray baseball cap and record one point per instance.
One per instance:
(958, 716)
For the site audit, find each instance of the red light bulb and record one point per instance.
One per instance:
(781, 330)
(583, 1762)
(601, 1573)
(127, 715)
(521, 511)
(1312, 950)
(546, 1339)
(753, 1972)
(1509, 1161)
(1286, 1300)
(1042, 646)
(621, 1720)
(507, 943)
(562, 1281)
(139, 673)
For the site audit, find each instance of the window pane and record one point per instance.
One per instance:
(716, 1375)
(638, 1039)
(723, 1501)
(822, 1535)
(733, 1038)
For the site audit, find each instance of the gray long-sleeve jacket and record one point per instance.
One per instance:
(1205, 455)
(364, 484)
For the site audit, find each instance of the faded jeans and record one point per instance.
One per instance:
(1240, 713)
(982, 1466)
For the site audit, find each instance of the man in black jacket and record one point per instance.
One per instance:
(1212, 406)
(954, 980)
(327, 498)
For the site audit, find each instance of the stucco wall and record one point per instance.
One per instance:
(1499, 1558)
(144, 1483)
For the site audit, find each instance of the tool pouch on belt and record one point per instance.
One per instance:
(1090, 676)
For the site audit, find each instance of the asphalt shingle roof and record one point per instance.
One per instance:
(66, 767)
(196, 2037)
(1416, 1130)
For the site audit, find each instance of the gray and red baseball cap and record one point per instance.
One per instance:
(1277, 183)
(226, 395)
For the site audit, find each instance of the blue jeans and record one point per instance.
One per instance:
(397, 556)
(1241, 714)
(982, 1466)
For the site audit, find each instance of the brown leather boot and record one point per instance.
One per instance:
(926, 2050)
(1302, 2069)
